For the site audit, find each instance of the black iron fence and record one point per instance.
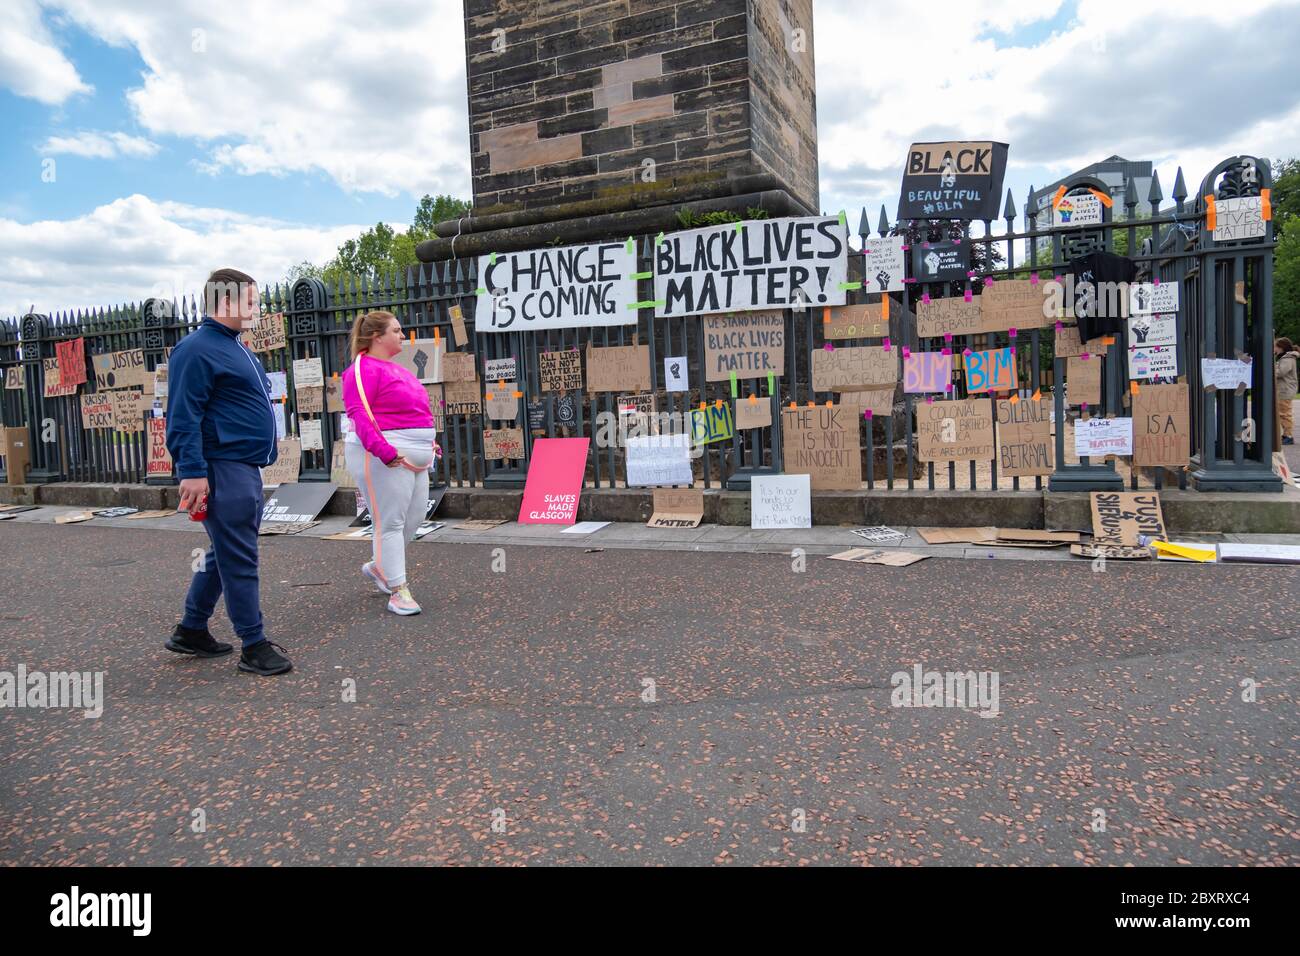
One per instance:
(1225, 309)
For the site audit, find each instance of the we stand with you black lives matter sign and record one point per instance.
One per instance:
(564, 288)
(762, 264)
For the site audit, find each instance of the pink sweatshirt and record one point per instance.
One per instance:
(396, 397)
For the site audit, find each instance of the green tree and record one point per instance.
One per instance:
(1286, 258)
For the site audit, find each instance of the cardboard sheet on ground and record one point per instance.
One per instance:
(426, 528)
(480, 524)
(585, 527)
(1187, 551)
(893, 559)
(780, 501)
(1260, 553)
(865, 321)
(554, 481)
(748, 345)
(822, 443)
(295, 503)
(1035, 535)
(677, 508)
(74, 517)
(955, 431)
(619, 368)
(1116, 552)
(1121, 517)
(286, 527)
(879, 533)
(958, 535)
(160, 513)
(1024, 433)
(121, 512)
(423, 358)
(852, 368)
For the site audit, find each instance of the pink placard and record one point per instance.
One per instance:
(554, 481)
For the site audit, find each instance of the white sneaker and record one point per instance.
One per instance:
(368, 569)
(402, 603)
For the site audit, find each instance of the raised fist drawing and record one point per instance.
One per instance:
(421, 359)
(882, 279)
(932, 263)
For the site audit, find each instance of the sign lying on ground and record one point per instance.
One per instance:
(677, 508)
(1120, 517)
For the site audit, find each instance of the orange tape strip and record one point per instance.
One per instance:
(1056, 200)
(1105, 200)
(1266, 208)
(884, 306)
(1210, 218)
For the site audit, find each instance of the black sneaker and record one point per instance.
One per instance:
(262, 658)
(186, 640)
(1288, 441)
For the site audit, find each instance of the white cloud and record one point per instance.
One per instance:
(373, 95)
(134, 247)
(96, 145)
(31, 65)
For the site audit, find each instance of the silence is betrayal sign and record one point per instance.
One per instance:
(564, 288)
(763, 264)
(955, 180)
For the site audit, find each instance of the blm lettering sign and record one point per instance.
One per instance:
(747, 346)
(1240, 218)
(954, 180)
(991, 371)
(1161, 429)
(946, 261)
(1024, 438)
(1118, 518)
(954, 431)
(570, 287)
(712, 423)
(822, 443)
(763, 264)
(951, 316)
(927, 372)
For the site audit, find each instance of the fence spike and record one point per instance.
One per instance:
(1180, 188)
(1154, 194)
(1130, 192)
(883, 226)
(1009, 210)
(864, 227)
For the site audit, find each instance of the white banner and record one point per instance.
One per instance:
(659, 460)
(883, 269)
(564, 288)
(1103, 436)
(761, 264)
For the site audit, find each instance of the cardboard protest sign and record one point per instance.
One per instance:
(1080, 209)
(780, 501)
(677, 376)
(500, 444)
(822, 443)
(1115, 552)
(854, 322)
(677, 508)
(500, 370)
(501, 404)
(1024, 433)
(160, 460)
(566, 410)
(1099, 437)
(713, 423)
(991, 371)
(293, 504)
(462, 398)
(1225, 374)
(459, 334)
(926, 372)
(554, 481)
(309, 431)
(53, 385)
(1014, 304)
(72, 361)
(945, 261)
(308, 371)
(160, 381)
(561, 371)
(1239, 218)
(892, 559)
(310, 399)
(621, 368)
(1083, 380)
(884, 267)
(287, 462)
(753, 412)
(1161, 425)
(1147, 298)
(878, 401)
(279, 385)
(1067, 342)
(951, 316)
(339, 473)
(954, 431)
(15, 377)
(97, 411)
(659, 460)
(953, 180)
(967, 535)
(423, 358)
(850, 369)
(747, 346)
(763, 264)
(557, 288)
(1120, 517)
(459, 367)
(266, 335)
(128, 409)
(334, 394)
(123, 369)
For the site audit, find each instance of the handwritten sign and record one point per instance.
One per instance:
(1147, 298)
(878, 401)
(954, 431)
(1024, 438)
(97, 411)
(288, 459)
(334, 395)
(849, 369)
(991, 371)
(462, 398)
(926, 372)
(123, 369)
(52, 386)
(15, 377)
(160, 460)
(310, 399)
(747, 346)
(1081, 209)
(500, 401)
(953, 180)
(823, 443)
(1119, 518)
(458, 331)
(266, 335)
(423, 358)
(855, 322)
(1013, 304)
(1083, 380)
(951, 316)
(308, 371)
(659, 460)
(500, 444)
(710, 424)
(567, 287)
(1099, 437)
(72, 361)
(1067, 342)
(884, 267)
(1241, 218)
(500, 370)
(620, 368)
(1225, 374)
(1154, 361)
(763, 264)
(554, 481)
(459, 367)
(309, 431)
(756, 414)
(1161, 426)
(561, 371)
(128, 410)
(780, 501)
(677, 508)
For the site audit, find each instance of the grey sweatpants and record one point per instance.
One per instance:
(397, 498)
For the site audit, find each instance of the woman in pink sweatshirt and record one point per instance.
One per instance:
(389, 450)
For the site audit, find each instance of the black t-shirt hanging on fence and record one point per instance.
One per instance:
(1101, 286)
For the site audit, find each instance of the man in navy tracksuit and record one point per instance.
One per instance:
(221, 432)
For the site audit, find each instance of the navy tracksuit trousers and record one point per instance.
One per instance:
(230, 565)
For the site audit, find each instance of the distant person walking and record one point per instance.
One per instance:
(220, 432)
(389, 451)
(1286, 382)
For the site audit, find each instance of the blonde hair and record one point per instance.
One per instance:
(367, 328)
